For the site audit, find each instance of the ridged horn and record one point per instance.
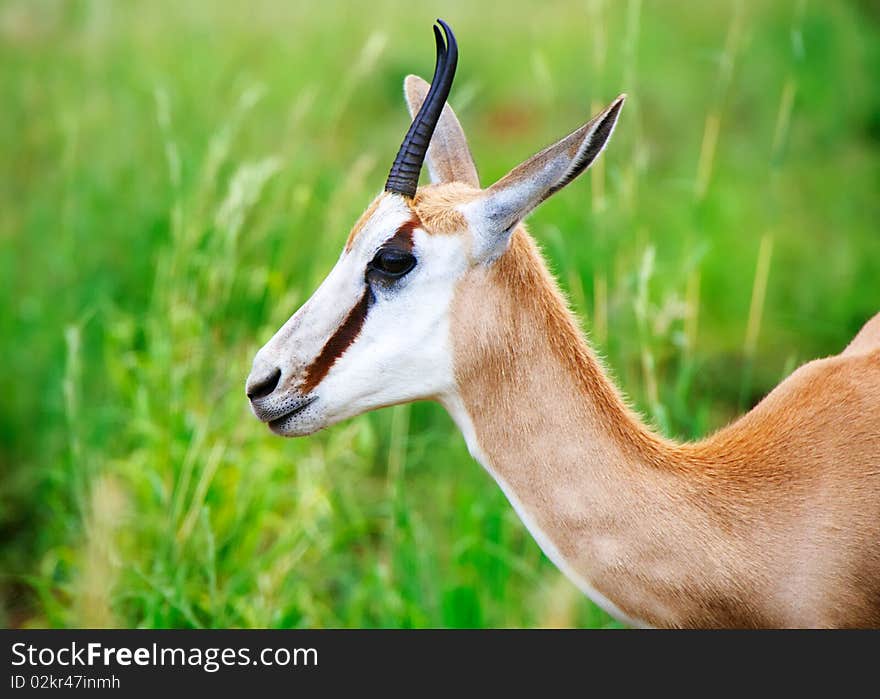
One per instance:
(404, 176)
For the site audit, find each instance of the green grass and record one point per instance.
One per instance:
(178, 177)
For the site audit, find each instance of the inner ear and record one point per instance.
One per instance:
(508, 201)
(449, 159)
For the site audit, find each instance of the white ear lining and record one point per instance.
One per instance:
(494, 215)
(580, 162)
(599, 135)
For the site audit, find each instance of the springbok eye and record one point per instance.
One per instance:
(392, 263)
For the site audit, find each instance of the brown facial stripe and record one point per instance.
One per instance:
(338, 343)
(347, 333)
(403, 238)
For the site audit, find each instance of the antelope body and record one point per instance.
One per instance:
(440, 294)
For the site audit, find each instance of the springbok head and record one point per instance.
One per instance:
(377, 332)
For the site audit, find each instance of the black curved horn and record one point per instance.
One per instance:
(404, 176)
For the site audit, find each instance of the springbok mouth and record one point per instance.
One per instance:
(278, 421)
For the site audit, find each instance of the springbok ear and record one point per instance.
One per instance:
(449, 158)
(495, 214)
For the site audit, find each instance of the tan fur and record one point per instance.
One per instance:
(773, 521)
(433, 205)
(868, 338)
(436, 207)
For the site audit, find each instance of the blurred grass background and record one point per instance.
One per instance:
(177, 177)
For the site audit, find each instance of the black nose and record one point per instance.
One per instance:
(264, 386)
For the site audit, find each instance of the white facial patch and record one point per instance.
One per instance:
(403, 352)
(360, 343)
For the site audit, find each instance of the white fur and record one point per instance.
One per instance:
(402, 352)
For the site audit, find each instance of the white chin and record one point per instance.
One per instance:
(299, 424)
(294, 431)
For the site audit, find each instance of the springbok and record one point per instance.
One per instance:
(440, 294)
